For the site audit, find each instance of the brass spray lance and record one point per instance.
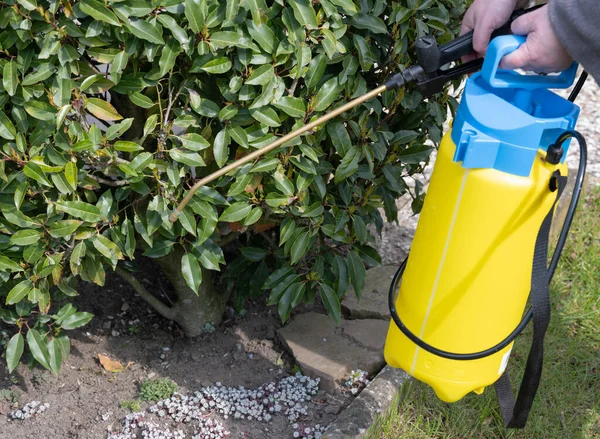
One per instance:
(428, 75)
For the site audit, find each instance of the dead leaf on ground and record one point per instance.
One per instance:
(112, 365)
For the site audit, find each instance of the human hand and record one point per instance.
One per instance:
(483, 17)
(541, 52)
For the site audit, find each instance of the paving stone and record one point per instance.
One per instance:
(373, 303)
(368, 333)
(376, 398)
(322, 349)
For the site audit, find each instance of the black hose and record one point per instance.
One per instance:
(555, 257)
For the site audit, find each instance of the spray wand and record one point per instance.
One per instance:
(429, 75)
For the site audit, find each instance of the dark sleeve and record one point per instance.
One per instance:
(577, 26)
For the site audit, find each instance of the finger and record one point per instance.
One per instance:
(524, 24)
(481, 37)
(519, 59)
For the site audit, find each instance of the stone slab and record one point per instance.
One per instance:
(373, 303)
(369, 333)
(328, 351)
(375, 399)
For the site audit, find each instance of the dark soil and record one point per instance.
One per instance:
(85, 399)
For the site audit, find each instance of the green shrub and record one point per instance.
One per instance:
(109, 110)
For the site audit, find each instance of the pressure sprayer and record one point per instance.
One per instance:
(481, 243)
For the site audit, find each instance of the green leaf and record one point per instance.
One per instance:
(288, 228)
(261, 76)
(188, 221)
(263, 35)
(254, 215)
(217, 66)
(168, 56)
(25, 237)
(304, 13)
(339, 137)
(63, 228)
(76, 320)
(277, 276)
(18, 292)
(71, 174)
(150, 124)
(194, 141)
(102, 109)
(141, 160)
(55, 358)
(32, 170)
(331, 302)
(415, 154)
(347, 5)
(97, 10)
(238, 135)
(192, 273)
(235, 212)
(30, 5)
(14, 351)
(265, 165)
(327, 94)
(279, 289)
(140, 100)
(292, 106)
(253, 253)
(43, 72)
(80, 209)
(357, 273)
(283, 183)
(266, 115)
(105, 203)
(62, 114)
(20, 192)
(210, 255)
(37, 346)
(221, 148)
(126, 146)
(108, 249)
(76, 257)
(10, 80)
(177, 31)
(195, 14)
(7, 264)
(186, 157)
(284, 306)
(40, 110)
(316, 69)
(329, 43)
(118, 129)
(146, 31)
(300, 246)
(7, 129)
(225, 39)
(369, 22)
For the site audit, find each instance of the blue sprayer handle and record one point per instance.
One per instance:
(502, 78)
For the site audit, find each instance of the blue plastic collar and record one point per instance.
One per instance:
(504, 117)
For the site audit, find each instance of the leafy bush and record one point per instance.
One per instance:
(110, 111)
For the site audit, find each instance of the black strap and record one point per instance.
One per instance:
(515, 413)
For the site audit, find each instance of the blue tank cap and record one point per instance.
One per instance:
(505, 117)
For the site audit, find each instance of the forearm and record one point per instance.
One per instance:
(577, 26)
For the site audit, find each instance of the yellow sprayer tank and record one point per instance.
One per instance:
(469, 272)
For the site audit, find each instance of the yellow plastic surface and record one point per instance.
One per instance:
(468, 276)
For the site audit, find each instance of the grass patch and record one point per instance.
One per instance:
(567, 404)
(158, 389)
